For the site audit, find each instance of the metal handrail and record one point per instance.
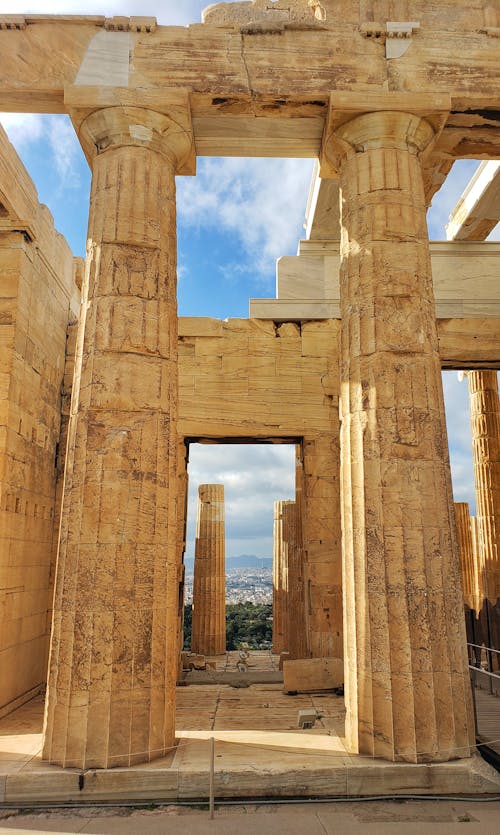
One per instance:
(480, 670)
(486, 649)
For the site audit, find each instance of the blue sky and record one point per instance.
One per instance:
(234, 219)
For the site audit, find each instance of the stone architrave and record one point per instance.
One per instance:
(468, 558)
(485, 423)
(406, 678)
(208, 635)
(113, 662)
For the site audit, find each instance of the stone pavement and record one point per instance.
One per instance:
(426, 817)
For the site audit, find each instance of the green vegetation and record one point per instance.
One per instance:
(249, 623)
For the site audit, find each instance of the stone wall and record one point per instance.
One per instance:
(252, 380)
(36, 288)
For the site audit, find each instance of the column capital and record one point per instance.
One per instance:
(357, 123)
(118, 117)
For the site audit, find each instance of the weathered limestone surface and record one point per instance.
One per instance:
(298, 626)
(407, 688)
(116, 624)
(313, 674)
(485, 423)
(182, 501)
(280, 580)
(289, 626)
(208, 636)
(111, 689)
(36, 291)
(322, 545)
(469, 559)
(254, 89)
(252, 379)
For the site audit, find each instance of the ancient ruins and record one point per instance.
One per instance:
(100, 376)
(209, 597)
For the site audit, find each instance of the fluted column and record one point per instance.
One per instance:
(485, 423)
(407, 686)
(299, 629)
(280, 581)
(113, 664)
(209, 585)
(468, 558)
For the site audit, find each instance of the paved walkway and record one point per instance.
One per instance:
(488, 718)
(370, 818)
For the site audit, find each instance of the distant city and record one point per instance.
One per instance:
(248, 578)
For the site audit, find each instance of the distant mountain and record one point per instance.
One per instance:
(243, 561)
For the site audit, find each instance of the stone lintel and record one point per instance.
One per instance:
(478, 210)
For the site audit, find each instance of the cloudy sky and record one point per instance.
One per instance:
(235, 218)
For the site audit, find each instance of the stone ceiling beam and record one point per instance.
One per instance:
(249, 92)
(478, 210)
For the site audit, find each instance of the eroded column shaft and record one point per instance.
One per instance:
(469, 563)
(407, 686)
(297, 622)
(280, 582)
(111, 690)
(485, 423)
(208, 635)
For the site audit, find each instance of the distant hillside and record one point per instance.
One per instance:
(243, 561)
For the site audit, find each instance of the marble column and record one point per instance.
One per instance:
(485, 423)
(208, 635)
(280, 581)
(300, 628)
(468, 558)
(406, 679)
(113, 662)
(295, 619)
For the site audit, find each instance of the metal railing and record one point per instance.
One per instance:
(482, 659)
(482, 663)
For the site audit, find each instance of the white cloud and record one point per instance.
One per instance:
(23, 128)
(254, 477)
(260, 201)
(27, 130)
(64, 146)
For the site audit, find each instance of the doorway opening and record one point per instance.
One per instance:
(251, 478)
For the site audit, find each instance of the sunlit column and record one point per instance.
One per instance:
(485, 423)
(468, 558)
(113, 664)
(406, 677)
(208, 635)
(280, 580)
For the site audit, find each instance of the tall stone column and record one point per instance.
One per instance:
(208, 634)
(485, 423)
(406, 679)
(113, 662)
(280, 581)
(468, 558)
(299, 627)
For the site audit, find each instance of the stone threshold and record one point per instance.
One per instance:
(166, 782)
